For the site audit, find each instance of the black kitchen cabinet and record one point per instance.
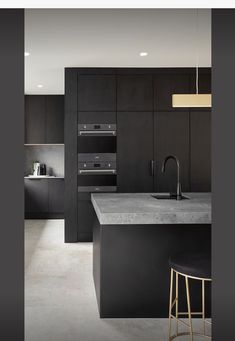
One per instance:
(200, 151)
(44, 198)
(165, 85)
(56, 196)
(171, 138)
(55, 119)
(139, 102)
(44, 119)
(96, 93)
(35, 119)
(135, 93)
(134, 151)
(36, 196)
(86, 217)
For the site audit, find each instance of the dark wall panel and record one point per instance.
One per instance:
(223, 168)
(12, 173)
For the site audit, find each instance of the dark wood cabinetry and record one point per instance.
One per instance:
(139, 102)
(171, 138)
(36, 194)
(56, 195)
(134, 93)
(54, 119)
(167, 84)
(200, 151)
(35, 119)
(44, 198)
(135, 151)
(96, 93)
(44, 119)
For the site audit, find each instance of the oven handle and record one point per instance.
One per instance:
(97, 171)
(97, 132)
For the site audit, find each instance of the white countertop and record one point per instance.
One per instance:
(142, 208)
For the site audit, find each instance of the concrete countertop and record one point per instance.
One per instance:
(142, 208)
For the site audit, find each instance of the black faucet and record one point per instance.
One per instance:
(178, 188)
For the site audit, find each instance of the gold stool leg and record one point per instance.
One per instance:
(176, 302)
(170, 303)
(189, 308)
(203, 307)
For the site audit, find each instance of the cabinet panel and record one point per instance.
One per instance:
(135, 93)
(36, 195)
(86, 217)
(56, 195)
(134, 151)
(171, 138)
(201, 151)
(96, 93)
(165, 86)
(35, 119)
(55, 119)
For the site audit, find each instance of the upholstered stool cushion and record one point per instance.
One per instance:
(194, 264)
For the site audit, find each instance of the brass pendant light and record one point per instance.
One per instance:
(192, 100)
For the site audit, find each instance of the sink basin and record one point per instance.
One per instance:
(168, 197)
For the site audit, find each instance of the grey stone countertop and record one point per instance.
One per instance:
(142, 208)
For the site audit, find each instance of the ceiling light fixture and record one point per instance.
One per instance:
(26, 54)
(143, 54)
(192, 100)
(40, 86)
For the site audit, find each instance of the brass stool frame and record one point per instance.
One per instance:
(189, 313)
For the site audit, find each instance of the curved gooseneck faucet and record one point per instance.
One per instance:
(178, 190)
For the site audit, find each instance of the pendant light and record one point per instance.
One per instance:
(192, 100)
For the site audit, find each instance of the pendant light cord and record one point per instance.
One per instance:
(197, 54)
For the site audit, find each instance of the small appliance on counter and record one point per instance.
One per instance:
(43, 169)
(39, 168)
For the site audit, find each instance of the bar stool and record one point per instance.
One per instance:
(190, 266)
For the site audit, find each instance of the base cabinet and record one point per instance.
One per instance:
(44, 198)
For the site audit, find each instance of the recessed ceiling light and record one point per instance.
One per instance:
(26, 54)
(40, 86)
(143, 54)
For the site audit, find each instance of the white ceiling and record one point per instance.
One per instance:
(59, 38)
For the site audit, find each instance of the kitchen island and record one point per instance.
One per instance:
(133, 237)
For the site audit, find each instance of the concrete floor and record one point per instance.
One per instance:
(60, 302)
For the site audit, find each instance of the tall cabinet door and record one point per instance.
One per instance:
(55, 119)
(200, 151)
(96, 93)
(134, 151)
(35, 119)
(171, 131)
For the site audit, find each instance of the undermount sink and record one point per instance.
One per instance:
(168, 197)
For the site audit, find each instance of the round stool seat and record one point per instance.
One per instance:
(194, 264)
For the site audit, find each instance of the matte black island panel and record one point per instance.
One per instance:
(131, 271)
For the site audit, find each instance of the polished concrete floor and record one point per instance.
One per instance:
(60, 302)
